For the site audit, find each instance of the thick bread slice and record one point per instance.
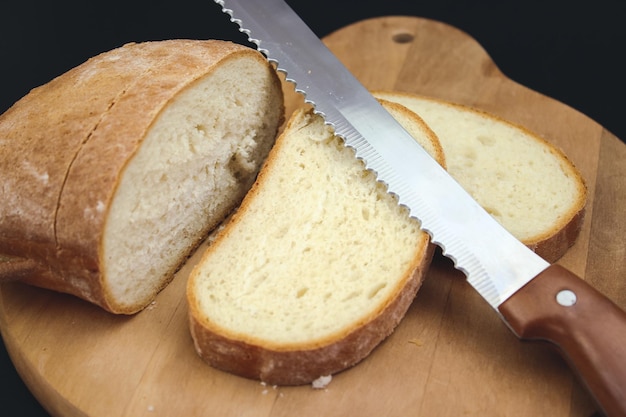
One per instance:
(114, 171)
(526, 183)
(316, 268)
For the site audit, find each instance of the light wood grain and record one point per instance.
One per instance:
(450, 356)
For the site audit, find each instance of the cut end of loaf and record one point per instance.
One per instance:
(118, 168)
(194, 166)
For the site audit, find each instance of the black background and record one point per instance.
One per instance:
(570, 51)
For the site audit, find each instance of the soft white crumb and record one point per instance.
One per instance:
(150, 408)
(322, 382)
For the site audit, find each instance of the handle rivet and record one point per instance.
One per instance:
(566, 298)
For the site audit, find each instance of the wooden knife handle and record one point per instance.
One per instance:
(588, 328)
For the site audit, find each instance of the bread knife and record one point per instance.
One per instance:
(536, 300)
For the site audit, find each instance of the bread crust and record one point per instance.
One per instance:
(72, 139)
(555, 244)
(435, 149)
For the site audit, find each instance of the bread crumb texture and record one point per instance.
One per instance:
(525, 183)
(322, 382)
(195, 164)
(318, 250)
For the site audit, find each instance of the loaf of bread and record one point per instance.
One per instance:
(316, 268)
(113, 172)
(523, 181)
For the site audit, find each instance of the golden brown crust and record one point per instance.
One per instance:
(41, 134)
(554, 246)
(14, 269)
(71, 139)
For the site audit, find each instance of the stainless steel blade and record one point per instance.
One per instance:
(455, 221)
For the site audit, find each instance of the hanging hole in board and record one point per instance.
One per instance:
(402, 37)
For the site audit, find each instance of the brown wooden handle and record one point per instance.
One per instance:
(590, 330)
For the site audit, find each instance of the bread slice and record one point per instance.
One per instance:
(114, 171)
(526, 183)
(316, 268)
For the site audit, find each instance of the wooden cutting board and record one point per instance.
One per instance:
(450, 356)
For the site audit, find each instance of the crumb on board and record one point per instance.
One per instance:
(266, 388)
(322, 382)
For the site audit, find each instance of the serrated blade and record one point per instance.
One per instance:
(495, 262)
